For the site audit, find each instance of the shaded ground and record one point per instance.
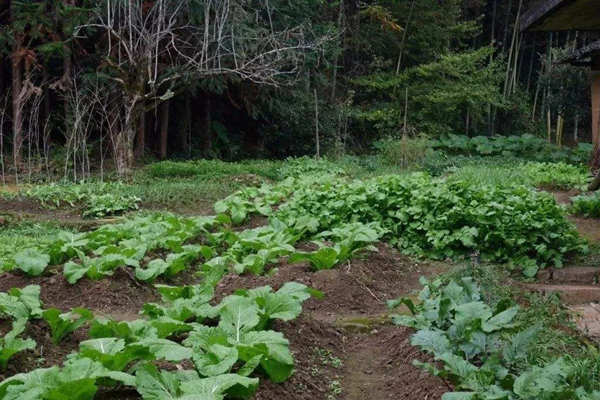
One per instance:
(18, 210)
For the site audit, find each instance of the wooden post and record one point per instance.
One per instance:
(595, 76)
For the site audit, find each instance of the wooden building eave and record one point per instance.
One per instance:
(582, 56)
(562, 15)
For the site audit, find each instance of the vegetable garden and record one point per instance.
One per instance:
(303, 286)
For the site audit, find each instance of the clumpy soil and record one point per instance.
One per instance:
(118, 296)
(344, 345)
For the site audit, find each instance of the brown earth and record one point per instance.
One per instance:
(117, 297)
(18, 210)
(351, 323)
(578, 286)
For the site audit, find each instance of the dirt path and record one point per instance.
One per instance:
(345, 346)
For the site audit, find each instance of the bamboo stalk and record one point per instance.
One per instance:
(318, 143)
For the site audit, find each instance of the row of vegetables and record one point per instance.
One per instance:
(228, 345)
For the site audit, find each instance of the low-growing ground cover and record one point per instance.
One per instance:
(526, 147)
(314, 225)
(489, 346)
(550, 176)
(438, 218)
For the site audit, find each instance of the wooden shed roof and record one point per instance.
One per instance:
(562, 15)
(582, 56)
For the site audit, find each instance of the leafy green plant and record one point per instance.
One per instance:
(31, 261)
(443, 219)
(559, 175)
(526, 147)
(17, 237)
(209, 169)
(63, 324)
(153, 384)
(102, 205)
(586, 205)
(182, 303)
(348, 239)
(21, 304)
(97, 199)
(78, 379)
(481, 348)
(284, 304)
(10, 344)
(306, 166)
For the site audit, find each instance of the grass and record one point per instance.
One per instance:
(192, 186)
(557, 176)
(209, 169)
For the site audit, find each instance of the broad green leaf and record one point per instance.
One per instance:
(238, 316)
(216, 361)
(62, 324)
(32, 261)
(432, 341)
(501, 320)
(217, 386)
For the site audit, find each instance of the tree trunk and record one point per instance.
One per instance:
(17, 115)
(207, 138)
(595, 77)
(164, 128)
(317, 138)
(186, 135)
(140, 145)
(404, 35)
(17, 84)
(337, 54)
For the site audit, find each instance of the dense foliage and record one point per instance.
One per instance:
(586, 205)
(84, 96)
(421, 215)
(484, 349)
(526, 147)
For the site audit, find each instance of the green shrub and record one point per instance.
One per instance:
(405, 152)
(586, 205)
(536, 174)
(431, 217)
(527, 147)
